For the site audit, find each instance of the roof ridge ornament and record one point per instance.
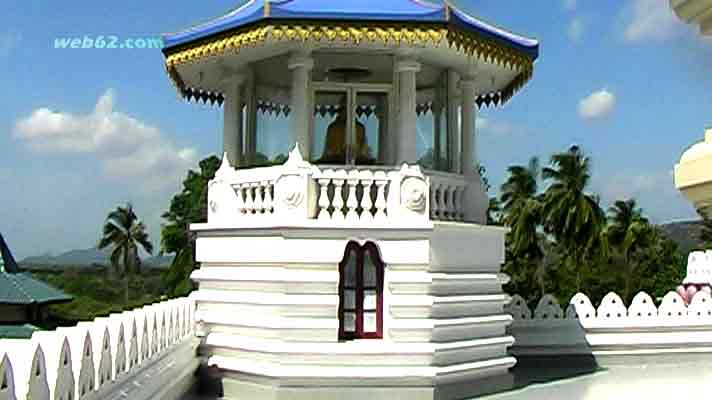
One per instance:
(267, 8)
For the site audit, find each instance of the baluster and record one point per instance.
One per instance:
(338, 199)
(240, 200)
(268, 203)
(366, 201)
(463, 204)
(381, 182)
(249, 202)
(447, 202)
(258, 197)
(352, 199)
(433, 201)
(324, 202)
(438, 206)
(456, 203)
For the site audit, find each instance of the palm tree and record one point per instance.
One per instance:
(522, 212)
(571, 215)
(494, 212)
(124, 233)
(525, 238)
(629, 232)
(521, 186)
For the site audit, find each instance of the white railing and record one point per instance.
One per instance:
(448, 200)
(612, 327)
(301, 193)
(105, 358)
(356, 195)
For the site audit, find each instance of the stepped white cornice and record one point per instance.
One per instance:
(697, 12)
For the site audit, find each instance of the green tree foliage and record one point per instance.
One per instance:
(561, 241)
(706, 232)
(124, 233)
(629, 234)
(95, 295)
(187, 207)
(573, 216)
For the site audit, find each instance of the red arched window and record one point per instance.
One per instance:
(361, 293)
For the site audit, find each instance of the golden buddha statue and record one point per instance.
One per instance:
(335, 147)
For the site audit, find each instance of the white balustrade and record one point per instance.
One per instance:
(447, 196)
(94, 359)
(299, 192)
(352, 196)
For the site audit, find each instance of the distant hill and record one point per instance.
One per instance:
(685, 234)
(89, 258)
(163, 261)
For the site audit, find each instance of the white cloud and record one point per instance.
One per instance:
(597, 105)
(126, 147)
(654, 191)
(495, 127)
(8, 42)
(651, 19)
(570, 5)
(576, 29)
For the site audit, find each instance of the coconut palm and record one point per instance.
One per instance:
(630, 233)
(494, 212)
(573, 216)
(521, 186)
(124, 233)
(525, 238)
(522, 212)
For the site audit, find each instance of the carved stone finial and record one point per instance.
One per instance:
(296, 160)
(225, 167)
(295, 155)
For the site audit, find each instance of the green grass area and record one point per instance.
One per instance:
(97, 295)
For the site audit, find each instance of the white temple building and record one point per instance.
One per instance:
(346, 255)
(361, 266)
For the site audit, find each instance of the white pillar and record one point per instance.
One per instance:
(250, 130)
(301, 66)
(232, 128)
(469, 113)
(407, 117)
(453, 123)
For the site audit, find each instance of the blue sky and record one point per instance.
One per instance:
(622, 78)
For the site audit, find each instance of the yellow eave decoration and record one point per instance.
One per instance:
(413, 34)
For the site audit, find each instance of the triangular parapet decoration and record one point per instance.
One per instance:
(225, 168)
(296, 160)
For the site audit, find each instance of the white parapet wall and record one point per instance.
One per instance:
(147, 353)
(612, 329)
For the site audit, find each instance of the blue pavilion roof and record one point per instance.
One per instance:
(349, 10)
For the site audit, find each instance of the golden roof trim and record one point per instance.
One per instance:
(468, 43)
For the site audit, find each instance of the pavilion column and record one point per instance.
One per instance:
(469, 114)
(406, 152)
(232, 129)
(454, 105)
(301, 66)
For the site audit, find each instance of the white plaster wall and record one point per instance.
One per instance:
(268, 301)
(80, 362)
